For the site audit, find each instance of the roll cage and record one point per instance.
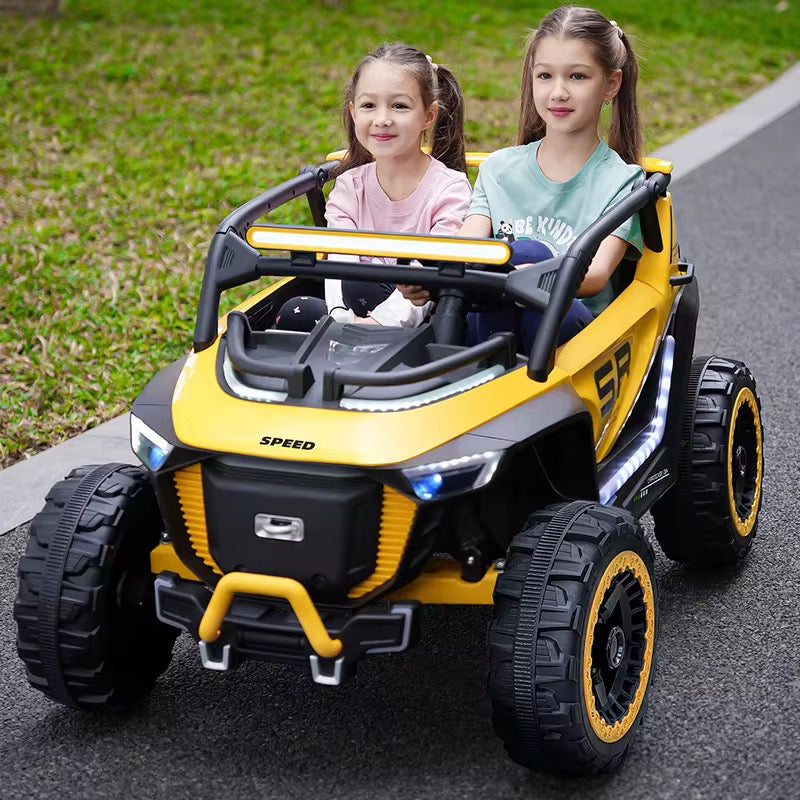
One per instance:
(455, 264)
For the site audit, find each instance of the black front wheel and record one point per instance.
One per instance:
(87, 629)
(572, 642)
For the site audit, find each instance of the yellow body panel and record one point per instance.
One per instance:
(340, 437)
(189, 486)
(441, 582)
(163, 558)
(397, 515)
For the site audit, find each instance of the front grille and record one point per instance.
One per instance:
(362, 552)
(189, 486)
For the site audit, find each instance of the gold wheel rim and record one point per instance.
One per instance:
(622, 562)
(744, 527)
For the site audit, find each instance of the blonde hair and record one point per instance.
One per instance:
(435, 83)
(612, 50)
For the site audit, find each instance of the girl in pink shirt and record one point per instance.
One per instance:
(395, 99)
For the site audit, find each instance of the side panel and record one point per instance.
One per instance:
(610, 358)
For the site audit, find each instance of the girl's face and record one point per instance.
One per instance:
(570, 85)
(388, 113)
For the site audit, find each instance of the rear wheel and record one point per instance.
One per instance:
(85, 610)
(572, 642)
(710, 516)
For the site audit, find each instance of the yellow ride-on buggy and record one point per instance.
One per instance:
(304, 495)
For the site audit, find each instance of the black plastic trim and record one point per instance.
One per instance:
(499, 348)
(267, 628)
(239, 339)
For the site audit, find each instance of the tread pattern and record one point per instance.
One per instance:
(553, 733)
(53, 574)
(531, 601)
(692, 521)
(79, 645)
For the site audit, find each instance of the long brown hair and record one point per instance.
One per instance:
(435, 83)
(612, 50)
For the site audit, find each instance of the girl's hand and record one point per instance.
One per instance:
(365, 321)
(418, 295)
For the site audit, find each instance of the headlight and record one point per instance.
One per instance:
(151, 448)
(445, 478)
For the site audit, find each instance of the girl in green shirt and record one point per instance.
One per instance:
(561, 176)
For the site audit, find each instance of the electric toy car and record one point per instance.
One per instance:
(303, 496)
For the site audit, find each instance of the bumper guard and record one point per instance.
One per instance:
(274, 618)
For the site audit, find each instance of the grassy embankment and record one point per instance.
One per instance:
(128, 130)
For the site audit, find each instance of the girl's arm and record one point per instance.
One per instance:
(606, 260)
(340, 212)
(451, 208)
(476, 226)
(333, 296)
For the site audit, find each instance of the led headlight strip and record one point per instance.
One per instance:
(624, 466)
(441, 248)
(456, 475)
(151, 448)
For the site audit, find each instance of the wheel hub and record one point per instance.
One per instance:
(619, 644)
(741, 460)
(615, 647)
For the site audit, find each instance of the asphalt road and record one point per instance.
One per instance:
(723, 713)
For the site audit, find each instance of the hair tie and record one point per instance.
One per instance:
(434, 65)
(620, 32)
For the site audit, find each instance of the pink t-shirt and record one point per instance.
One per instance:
(357, 202)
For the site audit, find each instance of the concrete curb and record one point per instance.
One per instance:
(23, 485)
(727, 129)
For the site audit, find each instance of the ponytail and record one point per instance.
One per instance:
(531, 126)
(625, 132)
(448, 132)
(357, 155)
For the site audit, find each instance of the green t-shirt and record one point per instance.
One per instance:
(524, 204)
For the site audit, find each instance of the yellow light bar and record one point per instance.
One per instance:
(388, 245)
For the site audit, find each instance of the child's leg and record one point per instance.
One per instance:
(578, 317)
(300, 314)
(364, 296)
(481, 324)
(530, 251)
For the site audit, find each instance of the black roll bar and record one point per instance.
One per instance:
(575, 264)
(230, 259)
(499, 348)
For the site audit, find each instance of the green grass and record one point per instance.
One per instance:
(129, 129)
